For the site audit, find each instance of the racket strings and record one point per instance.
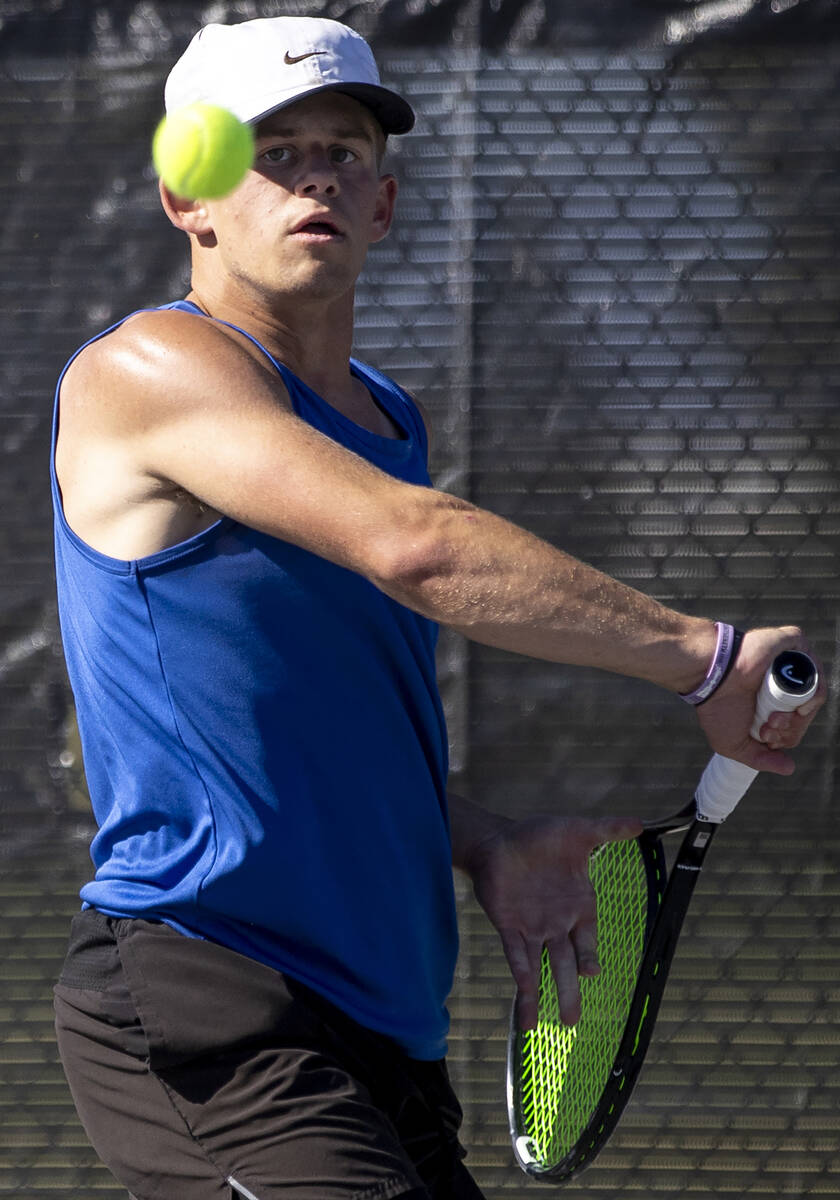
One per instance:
(563, 1070)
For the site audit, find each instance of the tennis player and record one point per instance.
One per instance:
(251, 570)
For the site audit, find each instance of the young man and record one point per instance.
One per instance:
(251, 570)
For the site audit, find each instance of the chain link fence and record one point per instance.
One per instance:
(614, 282)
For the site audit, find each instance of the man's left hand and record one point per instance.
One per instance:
(532, 879)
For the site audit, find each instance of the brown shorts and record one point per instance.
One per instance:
(199, 1074)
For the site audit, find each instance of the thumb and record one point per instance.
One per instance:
(762, 758)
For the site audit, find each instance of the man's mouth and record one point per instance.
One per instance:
(317, 228)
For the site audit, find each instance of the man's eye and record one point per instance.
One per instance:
(342, 155)
(276, 154)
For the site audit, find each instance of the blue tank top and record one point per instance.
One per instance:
(266, 751)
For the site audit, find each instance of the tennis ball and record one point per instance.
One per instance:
(203, 151)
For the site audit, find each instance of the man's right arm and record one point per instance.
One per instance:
(198, 411)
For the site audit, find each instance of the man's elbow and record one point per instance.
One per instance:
(416, 561)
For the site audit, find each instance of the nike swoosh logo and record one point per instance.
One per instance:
(290, 59)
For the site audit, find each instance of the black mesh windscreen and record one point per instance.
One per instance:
(614, 283)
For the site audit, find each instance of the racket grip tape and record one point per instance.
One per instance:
(791, 682)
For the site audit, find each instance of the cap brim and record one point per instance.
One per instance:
(394, 114)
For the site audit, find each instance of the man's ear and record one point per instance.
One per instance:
(383, 213)
(191, 216)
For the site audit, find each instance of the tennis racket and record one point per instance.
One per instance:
(567, 1087)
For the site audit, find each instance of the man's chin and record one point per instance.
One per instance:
(315, 280)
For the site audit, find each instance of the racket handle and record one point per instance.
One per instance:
(791, 682)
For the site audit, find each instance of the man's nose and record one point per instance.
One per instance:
(318, 176)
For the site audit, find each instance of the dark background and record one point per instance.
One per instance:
(615, 283)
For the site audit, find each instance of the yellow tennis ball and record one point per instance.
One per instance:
(202, 151)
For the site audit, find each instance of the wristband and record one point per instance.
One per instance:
(728, 642)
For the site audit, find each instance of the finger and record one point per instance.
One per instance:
(781, 731)
(811, 707)
(788, 728)
(524, 960)
(527, 1010)
(584, 939)
(564, 968)
(777, 733)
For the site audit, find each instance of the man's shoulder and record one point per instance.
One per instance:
(155, 349)
(113, 347)
(142, 331)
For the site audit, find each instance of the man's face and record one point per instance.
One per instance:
(303, 219)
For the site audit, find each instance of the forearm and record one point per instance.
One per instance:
(498, 584)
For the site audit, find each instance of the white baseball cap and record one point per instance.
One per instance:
(255, 67)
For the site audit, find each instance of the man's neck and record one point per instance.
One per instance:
(313, 340)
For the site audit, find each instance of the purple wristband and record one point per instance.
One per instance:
(728, 641)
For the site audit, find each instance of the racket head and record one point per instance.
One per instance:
(565, 1089)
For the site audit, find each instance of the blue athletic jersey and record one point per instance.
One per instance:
(266, 751)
